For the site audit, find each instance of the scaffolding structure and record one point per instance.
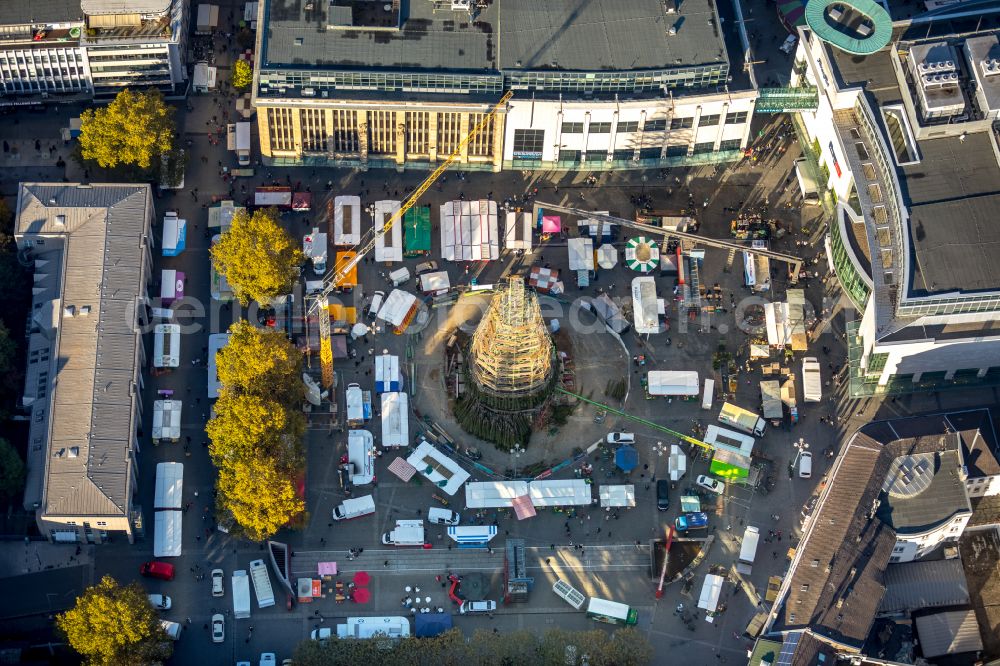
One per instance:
(511, 353)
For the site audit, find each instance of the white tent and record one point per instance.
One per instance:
(617, 496)
(168, 493)
(517, 231)
(397, 307)
(677, 463)
(493, 494)
(562, 492)
(433, 282)
(645, 309)
(388, 243)
(469, 231)
(711, 590)
(438, 468)
(167, 533)
(361, 454)
(673, 382)
(204, 77)
(346, 220)
(387, 377)
(581, 254)
(167, 419)
(395, 420)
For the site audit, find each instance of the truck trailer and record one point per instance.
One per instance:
(812, 381)
(241, 594)
(742, 419)
(406, 533)
(748, 550)
(261, 584)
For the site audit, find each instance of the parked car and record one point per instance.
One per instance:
(159, 601)
(708, 483)
(218, 628)
(485, 606)
(217, 586)
(377, 299)
(268, 659)
(788, 45)
(621, 438)
(426, 267)
(805, 465)
(662, 494)
(154, 569)
(321, 634)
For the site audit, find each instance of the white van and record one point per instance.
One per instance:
(173, 629)
(399, 276)
(166, 346)
(438, 516)
(708, 395)
(376, 303)
(354, 508)
(805, 465)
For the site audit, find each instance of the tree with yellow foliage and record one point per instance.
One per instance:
(261, 361)
(242, 75)
(257, 256)
(259, 496)
(115, 625)
(135, 128)
(249, 426)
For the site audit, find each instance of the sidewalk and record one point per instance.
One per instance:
(18, 557)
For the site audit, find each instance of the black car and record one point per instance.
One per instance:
(344, 473)
(662, 495)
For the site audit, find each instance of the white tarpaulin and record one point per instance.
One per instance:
(395, 420)
(493, 494)
(673, 382)
(581, 254)
(517, 231)
(469, 231)
(607, 256)
(204, 77)
(775, 321)
(563, 492)
(436, 281)
(396, 307)
(388, 243)
(711, 590)
(438, 468)
(617, 495)
(645, 310)
(168, 493)
(167, 419)
(167, 533)
(677, 463)
(346, 220)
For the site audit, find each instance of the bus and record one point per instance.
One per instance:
(611, 612)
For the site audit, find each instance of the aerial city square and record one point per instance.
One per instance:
(569, 332)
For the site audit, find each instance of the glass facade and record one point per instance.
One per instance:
(849, 275)
(275, 81)
(652, 81)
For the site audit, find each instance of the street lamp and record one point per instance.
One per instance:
(800, 446)
(515, 453)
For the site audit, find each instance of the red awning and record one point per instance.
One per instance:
(523, 508)
(402, 469)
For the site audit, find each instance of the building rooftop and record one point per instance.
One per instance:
(40, 11)
(922, 491)
(979, 442)
(93, 7)
(912, 586)
(951, 632)
(575, 35)
(89, 276)
(837, 580)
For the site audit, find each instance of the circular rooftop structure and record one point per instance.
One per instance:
(909, 475)
(860, 27)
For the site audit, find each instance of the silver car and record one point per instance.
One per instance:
(160, 601)
(217, 586)
(218, 628)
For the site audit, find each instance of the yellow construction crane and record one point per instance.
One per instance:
(321, 305)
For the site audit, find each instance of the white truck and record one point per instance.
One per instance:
(748, 550)
(261, 584)
(355, 406)
(406, 533)
(742, 419)
(241, 594)
(241, 143)
(354, 507)
(812, 381)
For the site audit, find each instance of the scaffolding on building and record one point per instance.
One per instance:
(511, 352)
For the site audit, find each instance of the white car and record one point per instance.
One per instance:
(268, 659)
(321, 634)
(487, 606)
(789, 44)
(621, 438)
(708, 483)
(160, 601)
(218, 628)
(217, 587)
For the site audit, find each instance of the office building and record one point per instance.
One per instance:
(596, 84)
(90, 249)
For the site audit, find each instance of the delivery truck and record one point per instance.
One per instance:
(242, 148)
(748, 550)
(241, 595)
(355, 406)
(406, 533)
(354, 508)
(812, 382)
(261, 584)
(742, 419)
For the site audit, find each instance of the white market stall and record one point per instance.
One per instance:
(617, 496)
(387, 376)
(166, 346)
(167, 420)
(581, 254)
(220, 216)
(517, 232)
(435, 283)
(607, 256)
(398, 308)
(216, 341)
(642, 254)
(493, 494)
(645, 306)
(438, 468)
(174, 234)
(673, 383)
(472, 536)
(361, 456)
(388, 243)
(676, 463)
(395, 420)
(346, 220)
(167, 535)
(560, 492)
(711, 590)
(204, 77)
(469, 231)
(168, 492)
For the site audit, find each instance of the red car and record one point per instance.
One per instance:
(161, 570)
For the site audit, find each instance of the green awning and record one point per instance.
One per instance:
(417, 230)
